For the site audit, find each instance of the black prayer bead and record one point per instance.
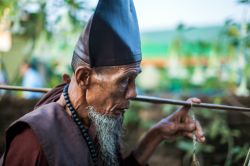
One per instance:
(83, 130)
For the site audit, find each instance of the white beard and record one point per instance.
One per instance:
(109, 132)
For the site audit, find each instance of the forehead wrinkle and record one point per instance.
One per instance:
(128, 72)
(105, 75)
(116, 72)
(135, 68)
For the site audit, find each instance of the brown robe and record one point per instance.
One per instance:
(48, 136)
(28, 155)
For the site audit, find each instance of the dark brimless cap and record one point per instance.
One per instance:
(111, 37)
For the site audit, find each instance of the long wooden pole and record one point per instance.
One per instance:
(158, 100)
(19, 88)
(149, 99)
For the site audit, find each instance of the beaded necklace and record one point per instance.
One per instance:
(84, 131)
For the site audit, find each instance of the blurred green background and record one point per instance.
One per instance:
(211, 62)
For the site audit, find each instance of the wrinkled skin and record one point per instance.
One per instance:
(177, 124)
(180, 124)
(109, 90)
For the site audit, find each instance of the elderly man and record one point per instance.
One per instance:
(82, 124)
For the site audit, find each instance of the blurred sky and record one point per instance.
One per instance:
(166, 14)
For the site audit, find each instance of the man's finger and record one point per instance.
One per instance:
(194, 100)
(185, 127)
(199, 133)
(188, 134)
(185, 109)
(188, 119)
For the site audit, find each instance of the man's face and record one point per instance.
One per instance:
(111, 88)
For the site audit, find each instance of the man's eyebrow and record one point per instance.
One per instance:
(131, 73)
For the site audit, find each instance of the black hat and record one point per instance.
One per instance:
(112, 36)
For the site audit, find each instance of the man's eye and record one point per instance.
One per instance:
(122, 79)
(125, 80)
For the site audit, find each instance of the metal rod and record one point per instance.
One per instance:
(158, 100)
(149, 99)
(19, 88)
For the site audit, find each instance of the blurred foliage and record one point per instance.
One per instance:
(244, 1)
(224, 62)
(40, 16)
(54, 26)
(220, 138)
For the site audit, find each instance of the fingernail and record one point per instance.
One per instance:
(203, 139)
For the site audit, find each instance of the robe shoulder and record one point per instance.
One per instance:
(58, 135)
(25, 149)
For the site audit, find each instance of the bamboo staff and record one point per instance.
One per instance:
(149, 99)
(19, 88)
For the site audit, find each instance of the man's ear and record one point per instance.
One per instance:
(82, 75)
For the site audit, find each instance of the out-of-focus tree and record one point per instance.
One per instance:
(34, 16)
(44, 29)
(243, 51)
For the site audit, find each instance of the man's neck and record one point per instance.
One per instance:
(76, 99)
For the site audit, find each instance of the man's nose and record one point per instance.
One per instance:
(131, 92)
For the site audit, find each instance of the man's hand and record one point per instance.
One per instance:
(177, 124)
(180, 124)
